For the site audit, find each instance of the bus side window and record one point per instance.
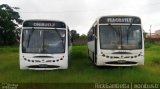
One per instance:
(69, 38)
(90, 35)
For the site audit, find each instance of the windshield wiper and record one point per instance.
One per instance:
(60, 37)
(129, 29)
(117, 32)
(29, 37)
(114, 29)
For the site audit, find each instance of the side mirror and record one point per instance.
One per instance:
(94, 36)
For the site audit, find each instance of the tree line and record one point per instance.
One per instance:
(78, 39)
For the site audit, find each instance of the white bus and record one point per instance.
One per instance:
(44, 45)
(116, 41)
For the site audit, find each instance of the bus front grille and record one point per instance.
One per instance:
(116, 62)
(43, 66)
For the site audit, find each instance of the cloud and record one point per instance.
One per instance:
(80, 14)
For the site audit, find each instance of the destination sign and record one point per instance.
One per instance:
(133, 20)
(37, 24)
(119, 20)
(53, 24)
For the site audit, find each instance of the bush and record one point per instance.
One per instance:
(148, 44)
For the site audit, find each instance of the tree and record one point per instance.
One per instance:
(83, 36)
(74, 35)
(78, 39)
(9, 22)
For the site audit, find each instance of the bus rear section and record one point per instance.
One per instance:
(117, 41)
(44, 45)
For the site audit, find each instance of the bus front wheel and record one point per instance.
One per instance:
(94, 58)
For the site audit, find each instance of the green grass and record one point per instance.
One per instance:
(81, 69)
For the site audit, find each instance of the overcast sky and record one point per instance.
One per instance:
(80, 14)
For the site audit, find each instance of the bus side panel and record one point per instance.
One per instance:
(91, 48)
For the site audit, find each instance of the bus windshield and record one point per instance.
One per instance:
(43, 41)
(120, 37)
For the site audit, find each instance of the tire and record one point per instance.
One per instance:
(94, 59)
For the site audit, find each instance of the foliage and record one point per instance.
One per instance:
(82, 40)
(83, 36)
(78, 39)
(9, 21)
(74, 35)
(148, 44)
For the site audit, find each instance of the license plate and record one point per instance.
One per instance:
(121, 61)
(43, 65)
